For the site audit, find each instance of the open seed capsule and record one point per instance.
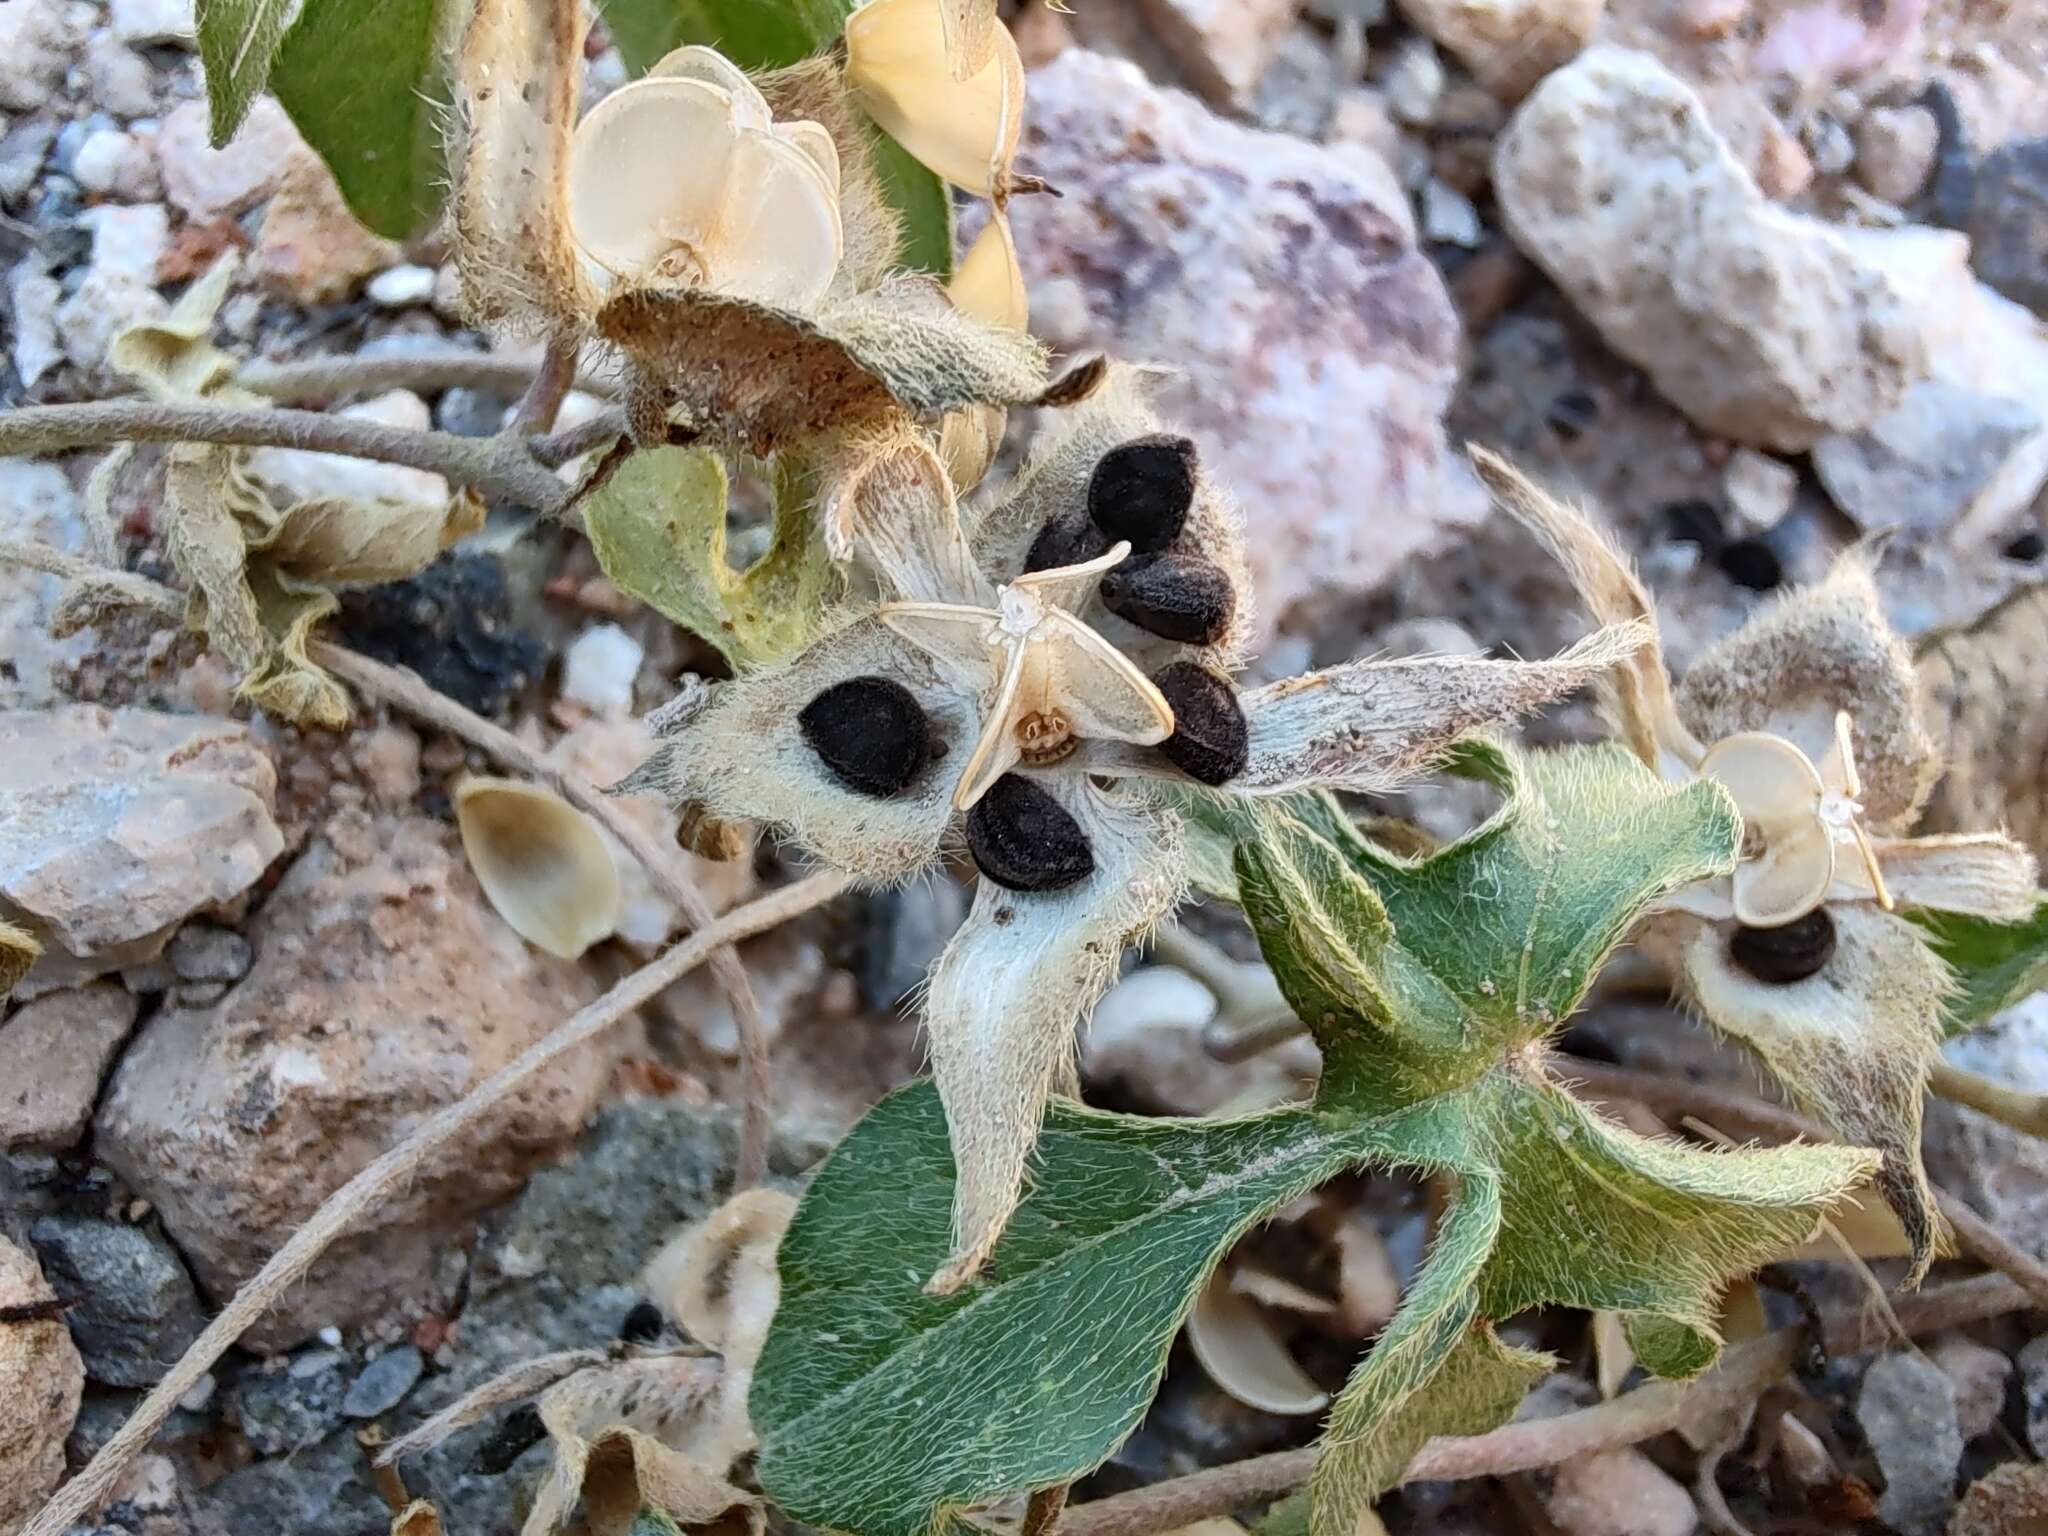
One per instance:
(1175, 596)
(1142, 489)
(1786, 954)
(872, 735)
(1210, 741)
(1025, 840)
(1069, 538)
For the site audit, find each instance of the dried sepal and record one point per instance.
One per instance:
(962, 126)
(971, 28)
(888, 500)
(1370, 725)
(1237, 1346)
(989, 282)
(1985, 874)
(517, 79)
(969, 440)
(716, 1278)
(1006, 994)
(174, 358)
(18, 951)
(543, 864)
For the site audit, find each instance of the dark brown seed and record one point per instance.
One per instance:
(521, 1431)
(1142, 489)
(870, 732)
(1787, 954)
(1178, 597)
(1025, 840)
(1209, 740)
(1067, 539)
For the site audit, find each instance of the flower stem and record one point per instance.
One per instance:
(2016, 1107)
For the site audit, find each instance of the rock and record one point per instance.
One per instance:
(1907, 1407)
(111, 163)
(599, 667)
(1999, 1172)
(41, 1381)
(2033, 1368)
(23, 148)
(402, 287)
(312, 250)
(388, 758)
(1414, 81)
(202, 952)
(115, 825)
(384, 989)
(1313, 344)
(35, 296)
(203, 182)
(1448, 217)
(35, 37)
(2011, 1500)
(127, 243)
(1508, 44)
(1978, 1375)
(1895, 149)
(1224, 45)
(101, 308)
(136, 1310)
(1618, 1493)
(324, 1490)
(1760, 324)
(469, 412)
(452, 624)
(1297, 92)
(300, 475)
(53, 1052)
(2008, 224)
(384, 1383)
(1758, 490)
(297, 1407)
(153, 21)
(118, 80)
(37, 504)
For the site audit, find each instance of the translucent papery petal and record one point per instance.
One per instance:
(743, 757)
(1984, 874)
(648, 171)
(1789, 878)
(778, 238)
(695, 62)
(818, 147)
(1775, 785)
(1070, 586)
(989, 284)
(997, 750)
(971, 27)
(1852, 1043)
(1371, 725)
(895, 508)
(1104, 696)
(1006, 996)
(954, 637)
(965, 130)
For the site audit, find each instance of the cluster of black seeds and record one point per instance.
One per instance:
(1780, 956)
(872, 734)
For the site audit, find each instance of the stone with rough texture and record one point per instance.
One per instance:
(119, 80)
(41, 1381)
(205, 183)
(2033, 1368)
(1760, 324)
(1224, 45)
(1618, 1493)
(1997, 1171)
(1508, 44)
(202, 952)
(136, 1310)
(288, 1410)
(1313, 345)
(35, 36)
(36, 297)
(383, 1383)
(311, 249)
(116, 824)
(1907, 1407)
(111, 163)
(2009, 222)
(37, 505)
(2011, 1500)
(1895, 149)
(323, 1490)
(53, 1052)
(1978, 1374)
(153, 21)
(384, 989)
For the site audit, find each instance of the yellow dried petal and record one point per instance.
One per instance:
(989, 284)
(543, 863)
(1238, 1348)
(1773, 782)
(964, 130)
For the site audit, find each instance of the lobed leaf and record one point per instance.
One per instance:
(237, 43)
(1995, 964)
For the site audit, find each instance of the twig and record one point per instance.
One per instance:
(1635, 1416)
(1043, 1509)
(543, 397)
(139, 591)
(1753, 1117)
(602, 430)
(404, 691)
(376, 1183)
(502, 467)
(2023, 1111)
(312, 379)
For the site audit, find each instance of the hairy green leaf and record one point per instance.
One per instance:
(658, 528)
(1995, 964)
(237, 43)
(367, 83)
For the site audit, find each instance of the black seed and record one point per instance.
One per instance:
(2029, 546)
(1142, 490)
(1695, 522)
(871, 733)
(1209, 740)
(1753, 564)
(1787, 954)
(521, 1431)
(1068, 539)
(1025, 840)
(1178, 597)
(644, 1324)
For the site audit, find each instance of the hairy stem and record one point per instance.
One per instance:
(543, 397)
(2016, 1107)
(315, 379)
(375, 1184)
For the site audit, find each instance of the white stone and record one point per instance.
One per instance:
(1895, 148)
(111, 163)
(299, 475)
(1619, 1493)
(36, 296)
(1448, 217)
(37, 505)
(599, 668)
(1758, 490)
(128, 242)
(1760, 324)
(1414, 81)
(1508, 44)
(35, 37)
(1224, 45)
(402, 287)
(207, 183)
(1146, 1038)
(153, 21)
(1979, 1375)
(118, 79)
(104, 305)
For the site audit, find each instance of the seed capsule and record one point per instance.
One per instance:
(1141, 491)
(1178, 597)
(1210, 741)
(643, 1325)
(871, 733)
(1025, 840)
(1784, 955)
(1070, 538)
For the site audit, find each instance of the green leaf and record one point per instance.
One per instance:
(658, 528)
(1996, 964)
(880, 1408)
(237, 42)
(367, 83)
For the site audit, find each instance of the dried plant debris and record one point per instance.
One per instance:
(1819, 950)
(1986, 709)
(545, 866)
(18, 951)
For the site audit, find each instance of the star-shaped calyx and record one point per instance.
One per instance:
(1050, 680)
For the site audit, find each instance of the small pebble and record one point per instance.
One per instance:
(202, 952)
(1979, 1375)
(1758, 489)
(2033, 1367)
(599, 669)
(401, 287)
(1895, 152)
(1907, 1407)
(1448, 217)
(383, 1383)
(1414, 81)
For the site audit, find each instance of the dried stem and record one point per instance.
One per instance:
(404, 691)
(543, 397)
(2016, 1107)
(314, 379)
(1043, 1509)
(1744, 1372)
(375, 1184)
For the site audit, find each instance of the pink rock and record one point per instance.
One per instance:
(205, 182)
